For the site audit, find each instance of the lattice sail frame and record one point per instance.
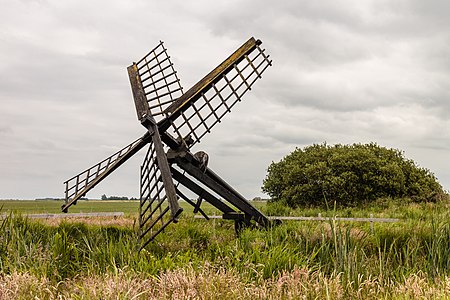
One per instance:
(77, 186)
(179, 120)
(203, 107)
(154, 207)
(207, 107)
(218, 100)
(159, 80)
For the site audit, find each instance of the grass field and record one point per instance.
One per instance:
(129, 207)
(53, 206)
(84, 259)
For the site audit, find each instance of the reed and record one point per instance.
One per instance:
(335, 260)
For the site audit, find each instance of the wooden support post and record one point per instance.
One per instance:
(164, 167)
(218, 185)
(182, 179)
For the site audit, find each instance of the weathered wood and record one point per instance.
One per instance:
(200, 191)
(156, 87)
(219, 186)
(140, 101)
(138, 146)
(379, 220)
(155, 234)
(287, 218)
(195, 92)
(196, 206)
(166, 175)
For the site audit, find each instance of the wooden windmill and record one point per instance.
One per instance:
(175, 121)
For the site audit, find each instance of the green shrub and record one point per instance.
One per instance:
(276, 209)
(348, 175)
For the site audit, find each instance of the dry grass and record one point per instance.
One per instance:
(213, 283)
(325, 260)
(97, 221)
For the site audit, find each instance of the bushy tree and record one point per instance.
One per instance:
(348, 175)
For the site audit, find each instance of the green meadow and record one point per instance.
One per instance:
(199, 259)
(54, 206)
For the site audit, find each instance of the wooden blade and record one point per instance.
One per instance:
(207, 102)
(158, 197)
(79, 185)
(154, 83)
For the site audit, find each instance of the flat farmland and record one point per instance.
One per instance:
(198, 259)
(128, 207)
(53, 206)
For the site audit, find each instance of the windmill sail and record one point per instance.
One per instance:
(158, 205)
(155, 83)
(208, 101)
(77, 186)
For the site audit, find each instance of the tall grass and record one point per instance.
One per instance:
(343, 257)
(216, 283)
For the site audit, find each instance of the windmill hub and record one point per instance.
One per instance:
(202, 158)
(175, 121)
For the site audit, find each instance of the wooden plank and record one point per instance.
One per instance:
(219, 186)
(166, 175)
(195, 92)
(379, 220)
(135, 148)
(140, 101)
(287, 218)
(181, 178)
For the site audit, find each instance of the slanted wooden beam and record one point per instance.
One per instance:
(181, 178)
(140, 101)
(219, 186)
(195, 92)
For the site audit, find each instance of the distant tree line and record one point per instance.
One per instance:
(56, 199)
(104, 197)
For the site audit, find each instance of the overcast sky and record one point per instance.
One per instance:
(343, 72)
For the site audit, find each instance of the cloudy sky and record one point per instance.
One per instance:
(343, 72)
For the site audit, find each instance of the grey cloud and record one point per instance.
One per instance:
(5, 130)
(343, 72)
